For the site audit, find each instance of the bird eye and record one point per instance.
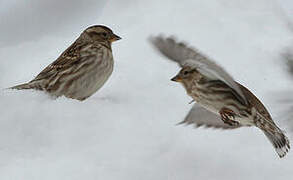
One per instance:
(185, 72)
(104, 34)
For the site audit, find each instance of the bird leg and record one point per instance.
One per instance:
(191, 101)
(228, 116)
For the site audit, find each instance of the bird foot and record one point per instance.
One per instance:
(228, 116)
(192, 101)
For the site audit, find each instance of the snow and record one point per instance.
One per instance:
(127, 130)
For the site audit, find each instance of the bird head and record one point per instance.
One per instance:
(101, 33)
(187, 75)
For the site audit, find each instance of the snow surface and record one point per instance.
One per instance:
(128, 129)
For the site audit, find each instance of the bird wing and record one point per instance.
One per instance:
(199, 116)
(256, 103)
(186, 56)
(70, 57)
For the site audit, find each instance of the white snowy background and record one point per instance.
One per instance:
(127, 130)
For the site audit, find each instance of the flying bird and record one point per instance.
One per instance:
(221, 102)
(82, 69)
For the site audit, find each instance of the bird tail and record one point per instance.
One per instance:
(24, 86)
(279, 141)
(274, 134)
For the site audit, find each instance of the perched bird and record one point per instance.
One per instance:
(221, 101)
(81, 69)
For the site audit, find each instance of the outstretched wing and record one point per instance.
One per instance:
(199, 116)
(186, 56)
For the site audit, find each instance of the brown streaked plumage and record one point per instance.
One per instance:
(221, 101)
(81, 69)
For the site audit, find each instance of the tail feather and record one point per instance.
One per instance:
(273, 133)
(29, 85)
(279, 141)
(22, 86)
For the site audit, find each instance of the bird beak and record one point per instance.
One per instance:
(114, 38)
(177, 78)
